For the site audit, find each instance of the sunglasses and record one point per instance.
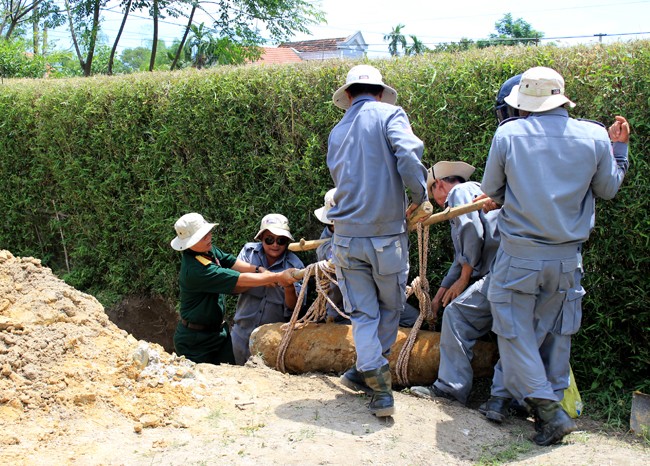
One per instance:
(281, 240)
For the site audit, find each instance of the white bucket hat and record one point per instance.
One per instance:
(276, 224)
(321, 213)
(541, 89)
(363, 74)
(190, 228)
(445, 169)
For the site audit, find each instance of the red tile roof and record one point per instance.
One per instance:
(272, 55)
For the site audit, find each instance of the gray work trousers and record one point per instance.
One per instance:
(466, 319)
(536, 307)
(372, 274)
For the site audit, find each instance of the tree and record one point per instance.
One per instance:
(417, 47)
(395, 39)
(84, 33)
(181, 44)
(138, 58)
(15, 15)
(204, 49)
(16, 62)
(236, 33)
(512, 32)
(461, 45)
(127, 7)
(199, 45)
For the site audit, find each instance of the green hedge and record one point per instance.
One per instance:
(94, 172)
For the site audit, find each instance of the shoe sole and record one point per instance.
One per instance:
(433, 396)
(495, 416)
(355, 386)
(557, 436)
(421, 395)
(384, 412)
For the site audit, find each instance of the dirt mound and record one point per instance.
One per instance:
(59, 353)
(75, 389)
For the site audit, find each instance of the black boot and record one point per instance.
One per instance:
(495, 408)
(379, 380)
(431, 391)
(552, 422)
(353, 379)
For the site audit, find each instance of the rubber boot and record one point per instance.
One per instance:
(353, 379)
(495, 408)
(552, 422)
(379, 380)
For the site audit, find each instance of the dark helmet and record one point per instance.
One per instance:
(501, 108)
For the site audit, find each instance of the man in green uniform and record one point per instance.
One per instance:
(207, 274)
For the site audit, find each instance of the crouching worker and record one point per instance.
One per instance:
(265, 304)
(207, 274)
(463, 292)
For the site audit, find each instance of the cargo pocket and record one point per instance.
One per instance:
(503, 323)
(568, 322)
(341, 251)
(390, 255)
(523, 275)
(568, 278)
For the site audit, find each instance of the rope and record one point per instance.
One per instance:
(419, 286)
(325, 273)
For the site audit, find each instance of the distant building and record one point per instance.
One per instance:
(276, 55)
(351, 47)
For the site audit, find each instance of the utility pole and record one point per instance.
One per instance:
(600, 37)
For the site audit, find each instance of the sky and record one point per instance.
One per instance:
(434, 22)
(565, 23)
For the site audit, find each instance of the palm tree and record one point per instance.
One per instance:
(199, 44)
(417, 48)
(395, 38)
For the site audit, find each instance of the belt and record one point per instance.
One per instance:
(203, 328)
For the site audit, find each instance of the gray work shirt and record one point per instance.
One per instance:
(475, 235)
(372, 156)
(263, 304)
(545, 170)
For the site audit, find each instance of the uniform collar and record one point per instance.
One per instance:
(559, 111)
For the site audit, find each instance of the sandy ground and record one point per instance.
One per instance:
(75, 389)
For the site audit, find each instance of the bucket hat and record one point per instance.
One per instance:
(321, 213)
(540, 89)
(276, 224)
(363, 74)
(190, 228)
(445, 169)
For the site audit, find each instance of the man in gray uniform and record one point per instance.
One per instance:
(463, 292)
(545, 170)
(373, 156)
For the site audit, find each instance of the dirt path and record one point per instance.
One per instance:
(75, 389)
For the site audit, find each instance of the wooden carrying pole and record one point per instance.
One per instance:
(448, 213)
(306, 245)
(452, 212)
